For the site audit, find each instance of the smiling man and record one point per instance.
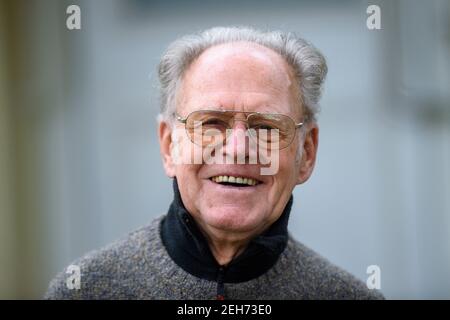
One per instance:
(236, 97)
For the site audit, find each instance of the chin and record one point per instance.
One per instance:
(233, 218)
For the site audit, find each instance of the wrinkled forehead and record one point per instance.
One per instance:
(240, 76)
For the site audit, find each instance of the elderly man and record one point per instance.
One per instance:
(228, 94)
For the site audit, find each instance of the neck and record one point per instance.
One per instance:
(226, 245)
(224, 252)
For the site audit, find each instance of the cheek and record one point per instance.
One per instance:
(188, 174)
(186, 169)
(289, 167)
(184, 152)
(190, 185)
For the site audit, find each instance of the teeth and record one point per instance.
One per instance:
(233, 179)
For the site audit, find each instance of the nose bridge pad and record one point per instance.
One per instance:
(232, 129)
(245, 121)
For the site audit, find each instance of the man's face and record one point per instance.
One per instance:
(240, 77)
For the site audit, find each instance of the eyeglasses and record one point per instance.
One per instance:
(207, 127)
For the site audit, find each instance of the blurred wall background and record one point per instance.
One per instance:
(79, 158)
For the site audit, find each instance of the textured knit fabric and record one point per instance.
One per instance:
(139, 267)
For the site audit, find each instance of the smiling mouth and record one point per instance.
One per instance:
(235, 181)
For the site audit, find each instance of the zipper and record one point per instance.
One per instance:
(220, 284)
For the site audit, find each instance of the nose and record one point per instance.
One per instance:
(236, 147)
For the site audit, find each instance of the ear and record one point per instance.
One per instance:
(309, 152)
(165, 147)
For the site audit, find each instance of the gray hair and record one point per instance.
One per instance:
(308, 63)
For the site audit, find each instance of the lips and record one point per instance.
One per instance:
(234, 180)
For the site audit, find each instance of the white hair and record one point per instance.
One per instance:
(308, 63)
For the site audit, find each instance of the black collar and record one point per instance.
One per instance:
(187, 246)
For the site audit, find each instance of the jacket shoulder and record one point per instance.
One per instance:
(321, 279)
(113, 272)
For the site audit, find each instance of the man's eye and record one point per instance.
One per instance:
(214, 122)
(263, 127)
